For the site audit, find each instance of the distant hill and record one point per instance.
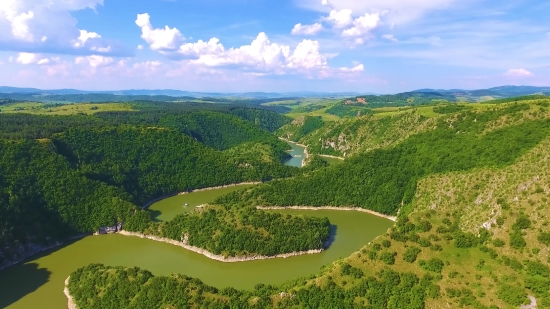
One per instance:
(172, 93)
(502, 91)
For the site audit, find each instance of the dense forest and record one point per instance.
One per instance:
(238, 231)
(84, 172)
(384, 179)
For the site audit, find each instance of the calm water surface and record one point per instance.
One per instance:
(38, 282)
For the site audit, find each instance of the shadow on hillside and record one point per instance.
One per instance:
(20, 280)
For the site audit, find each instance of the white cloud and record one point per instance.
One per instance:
(140, 47)
(307, 29)
(399, 11)
(307, 56)
(85, 36)
(357, 68)
(20, 27)
(195, 50)
(95, 61)
(30, 58)
(48, 26)
(340, 19)
(390, 37)
(166, 39)
(519, 73)
(363, 25)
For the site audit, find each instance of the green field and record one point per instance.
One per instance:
(63, 109)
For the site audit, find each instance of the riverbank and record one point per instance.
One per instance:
(329, 156)
(70, 300)
(392, 218)
(220, 258)
(220, 187)
(35, 249)
(148, 204)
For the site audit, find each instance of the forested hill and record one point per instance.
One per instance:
(384, 179)
(64, 175)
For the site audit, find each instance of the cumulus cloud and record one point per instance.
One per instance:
(159, 39)
(30, 58)
(363, 25)
(307, 29)
(95, 61)
(399, 11)
(519, 73)
(48, 27)
(341, 18)
(357, 68)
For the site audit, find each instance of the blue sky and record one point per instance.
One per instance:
(381, 46)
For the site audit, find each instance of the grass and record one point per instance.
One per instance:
(64, 109)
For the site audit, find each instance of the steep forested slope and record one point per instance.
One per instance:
(43, 199)
(383, 179)
(474, 233)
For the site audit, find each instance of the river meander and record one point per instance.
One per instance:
(38, 282)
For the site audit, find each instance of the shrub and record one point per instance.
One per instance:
(424, 242)
(435, 265)
(498, 242)
(512, 295)
(388, 257)
(544, 238)
(516, 240)
(411, 254)
(348, 270)
(465, 240)
(386, 243)
(424, 226)
(522, 222)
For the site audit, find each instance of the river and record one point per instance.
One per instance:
(38, 282)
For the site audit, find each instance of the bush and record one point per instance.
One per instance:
(348, 270)
(424, 226)
(465, 240)
(498, 242)
(522, 222)
(512, 295)
(435, 265)
(388, 257)
(424, 242)
(544, 238)
(386, 243)
(411, 254)
(516, 240)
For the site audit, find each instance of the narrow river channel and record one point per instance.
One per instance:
(38, 282)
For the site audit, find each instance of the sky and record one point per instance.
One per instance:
(380, 46)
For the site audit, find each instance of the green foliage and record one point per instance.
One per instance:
(512, 295)
(450, 109)
(544, 238)
(411, 254)
(383, 179)
(237, 231)
(388, 257)
(348, 270)
(434, 264)
(522, 222)
(300, 128)
(465, 240)
(516, 240)
(498, 242)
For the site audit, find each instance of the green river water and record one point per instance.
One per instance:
(38, 282)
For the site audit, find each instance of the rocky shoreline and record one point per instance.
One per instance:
(220, 258)
(329, 156)
(392, 218)
(70, 300)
